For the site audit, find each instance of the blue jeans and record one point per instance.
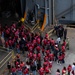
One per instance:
(26, 74)
(13, 73)
(18, 50)
(19, 73)
(34, 72)
(52, 47)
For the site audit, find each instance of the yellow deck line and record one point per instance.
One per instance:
(50, 31)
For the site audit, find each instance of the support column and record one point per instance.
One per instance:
(21, 1)
(46, 12)
(50, 12)
(36, 11)
(53, 12)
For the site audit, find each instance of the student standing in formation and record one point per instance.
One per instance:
(58, 72)
(65, 34)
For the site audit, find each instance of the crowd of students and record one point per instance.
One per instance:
(40, 52)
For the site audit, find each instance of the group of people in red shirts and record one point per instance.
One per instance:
(40, 51)
(69, 70)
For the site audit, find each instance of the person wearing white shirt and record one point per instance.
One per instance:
(58, 40)
(73, 69)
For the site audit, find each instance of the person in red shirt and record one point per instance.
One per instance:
(64, 70)
(17, 63)
(19, 70)
(48, 42)
(60, 59)
(46, 36)
(45, 64)
(39, 56)
(38, 40)
(47, 52)
(26, 71)
(18, 48)
(30, 55)
(64, 43)
(51, 56)
(38, 49)
(13, 70)
(47, 71)
(34, 42)
(22, 64)
(34, 56)
(30, 48)
(69, 68)
(44, 42)
(6, 44)
(63, 48)
(41, 71)
(63, 56)
(7, 33)
(50, 65)
(10, 43)
(46, 58)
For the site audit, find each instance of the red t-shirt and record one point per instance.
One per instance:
(45, 64)
(30, 55)
(38, 48)
(47, 52)
(38, 56)
(50, 64)
(13, 70)
(41, 71)
(63, 48)
(22, 33)
(69, 68)
(10, 42)
(60, 57)
(26, 71)
(34, 42)
(7, 31)
(6, 44)
(63, 55)
(46, 58)
(51, 56)
(34, 56)
(63, 71)
(30, 48)
(19, 69)
(47, 69)
(22, 65)
(52, 42)
(46, 35)
(38, 40)
(45, 41)
(48, 42)
(17, 46)
(64, 43)
(17, 63)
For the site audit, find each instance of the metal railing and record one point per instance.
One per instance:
(10, 55)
